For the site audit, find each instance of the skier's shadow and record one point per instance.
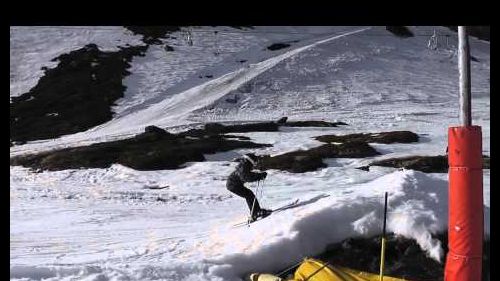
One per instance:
(302, 203)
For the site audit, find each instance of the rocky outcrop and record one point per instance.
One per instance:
(217, 128)
(426, 164)
(403, 257)
(400, 31)
(152, 34)
(384, 137)
(74, 96)
(155, 149)
(277, 46)
(312, 159)
(312, 124)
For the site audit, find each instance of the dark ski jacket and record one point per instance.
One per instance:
(242, 174)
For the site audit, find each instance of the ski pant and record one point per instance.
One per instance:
(246, 193)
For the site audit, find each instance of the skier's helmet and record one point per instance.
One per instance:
(252, 158)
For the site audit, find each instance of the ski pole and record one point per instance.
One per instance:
(382, 251)
(253, 204)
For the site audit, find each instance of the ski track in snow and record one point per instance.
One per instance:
(122, 224)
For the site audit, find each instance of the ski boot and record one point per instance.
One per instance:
(262, 213)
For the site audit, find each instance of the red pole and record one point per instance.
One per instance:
(465, 199)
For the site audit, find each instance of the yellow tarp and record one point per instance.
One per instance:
(333, 273)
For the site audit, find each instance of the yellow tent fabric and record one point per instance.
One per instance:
(333, 273)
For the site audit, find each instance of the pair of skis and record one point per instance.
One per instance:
(282, 208)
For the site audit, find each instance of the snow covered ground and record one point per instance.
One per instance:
(122, 224)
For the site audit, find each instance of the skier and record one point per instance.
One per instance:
(242, 174)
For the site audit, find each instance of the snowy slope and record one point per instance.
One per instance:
(115, 224)
(32, 48)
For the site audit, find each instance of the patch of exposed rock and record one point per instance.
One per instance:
(155, 149)
(383, 137)
(312, 159)
(426, 164)
(74, 96)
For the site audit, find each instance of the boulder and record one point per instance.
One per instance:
(300, 161)
(384, 137)
(282, 120)
(278, 46)
(152, 34)
(312, 124)
(400, 31)
(426, 164)
(154, 149)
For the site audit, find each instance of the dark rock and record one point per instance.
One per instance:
(426, 164)
(310, 160)
(232, 100)
(215, 128)
(347, 244)
(411, 250)
(151, 34)
(400, 31)
(364, 254)
(242, 61)
(169, 48)
(352, 149)
(384, 137)
(474, 59)
(364, 168)
(312, 124)
(278, 46)
(291, 163)
(152, 41)
(242, 26)
(153, 133)
(209, 76)
(253, 127)
(154, 187)
(282, 120)
(85, 80)
(155, 130)
(153, 150)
